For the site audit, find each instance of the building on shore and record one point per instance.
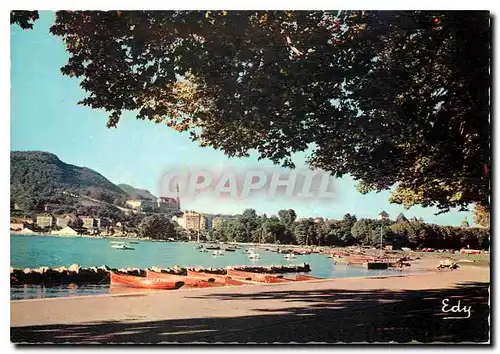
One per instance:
(162, 205)
(401, 218)
(63, 221)
(144, 205)
(45, 221)
(89, 222)
(191, 220)
(169, 206)
(383, 215)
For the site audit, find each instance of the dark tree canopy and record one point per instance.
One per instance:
(24, 19)
(393, 98)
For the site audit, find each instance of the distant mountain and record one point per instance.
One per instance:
(136, 193)
(38, 178)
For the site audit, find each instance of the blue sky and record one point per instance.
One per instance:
(45, 116)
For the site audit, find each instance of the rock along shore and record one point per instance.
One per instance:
(100, 275)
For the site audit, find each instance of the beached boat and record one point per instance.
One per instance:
(260, 277)
(142, 282)
(215, 278)
(301, 277)
(188, 282)
(274, 279)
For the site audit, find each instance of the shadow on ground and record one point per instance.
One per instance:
(329, 316)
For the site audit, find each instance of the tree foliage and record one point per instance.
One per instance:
(157, 227)
(24, 19)
(482, 215)
(393, 98)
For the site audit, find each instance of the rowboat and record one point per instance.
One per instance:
(122, 247)
(188, 282)
(274, 279)
(215, 278)
(290, 256)
(301, 277)
(260, 277)
(142, 282)
(212, 248)
(217, 253)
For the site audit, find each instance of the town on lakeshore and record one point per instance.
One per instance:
(266, 177)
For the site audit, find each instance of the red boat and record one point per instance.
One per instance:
(274, 279)
(142, 282)
(217, 278)
(261, 277)
(189, 282)
(301, 277)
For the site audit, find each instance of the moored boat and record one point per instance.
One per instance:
(122, 247)
(216, 248)
(142, 282)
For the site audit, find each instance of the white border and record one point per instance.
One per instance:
(185, 4)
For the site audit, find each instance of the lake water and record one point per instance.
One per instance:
(37, 251)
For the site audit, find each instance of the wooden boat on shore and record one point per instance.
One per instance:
(274, 279)
(301, 277)
(260, 277)
(142, 282)
(188, 282)
(217, 279)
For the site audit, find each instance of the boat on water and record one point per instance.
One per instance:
(143, 282)
(198, 247)
(122, 247)
(253, 256)
(212, 248)
(290, 256)
(217, 253)
(203, 250)
(188, 281)
(230, 249)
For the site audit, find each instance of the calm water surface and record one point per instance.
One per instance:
(37, 251)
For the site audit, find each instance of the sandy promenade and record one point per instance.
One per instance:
(400, 308)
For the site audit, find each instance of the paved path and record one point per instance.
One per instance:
(401, 309)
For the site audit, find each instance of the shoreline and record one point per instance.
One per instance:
(420, 268)
(239, 301)
(132, 292)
